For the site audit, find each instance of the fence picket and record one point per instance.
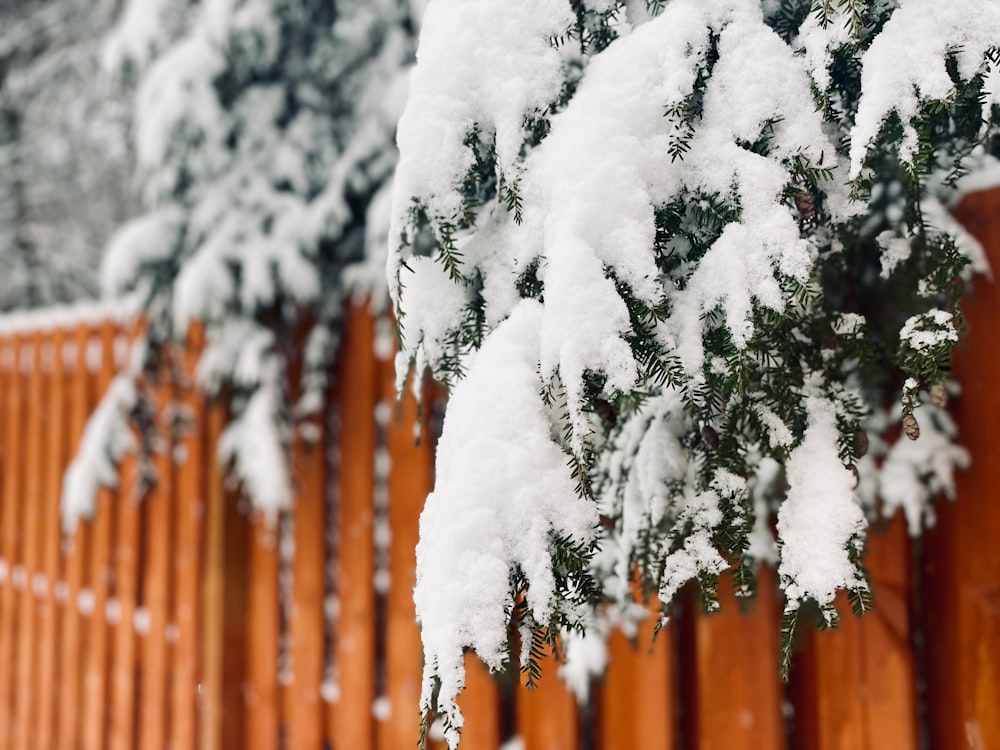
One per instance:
(188, 467)
(638, 694)
(857, 690)
(71, 660)
(10, 535)
(734, 707)
(357, 395)
(54, 465)
(98, 574)
(547, 716)
(961, 592)
(24, 670)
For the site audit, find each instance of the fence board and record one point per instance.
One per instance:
(71, 661)
(24, 670)
(213, 587)
(54, 462)
(357, 395)
(734, 708)
(962, 564)
(10, 531)
(306, 629)
(638, 693)
(858, 686)
(547, 716)
(409, 481)
(95, 655)
(188, 466)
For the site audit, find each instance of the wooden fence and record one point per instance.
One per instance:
(176, 620)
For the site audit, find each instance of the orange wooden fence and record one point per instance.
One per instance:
(174, 619)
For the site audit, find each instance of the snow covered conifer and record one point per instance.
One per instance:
(264, 138)
(675, 259)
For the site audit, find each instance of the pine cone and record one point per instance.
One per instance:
(805, 202)
(861, 440)
(911, 428)
(939, 396)
(710, 437)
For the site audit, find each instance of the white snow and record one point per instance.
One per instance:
(820, 518)
(496, 428)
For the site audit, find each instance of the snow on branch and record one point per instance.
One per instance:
(672, 230)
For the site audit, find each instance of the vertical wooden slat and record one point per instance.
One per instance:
(93, 716)
(156, 586)
(547, 715)
(55, 465)
(189, 508)
(213, 587)
(480, 704)
(121, 733)
(409, 482)
(263, 632)
(10, 531)
(123, 688)
(857, 690)
(962, 560)
(637, 697)
(70, 660)
(24, 694)
(235, 602)
(305, 721)
(358, 388)
(738, 694)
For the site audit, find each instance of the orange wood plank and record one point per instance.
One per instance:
(213, 587)
(306, 626)
(123, 690)
(263, 632)
(188, 508)
(56, 444)
(857, 690)
(358, 390)
(547, 715)
(95, 656)
(81, 393)
(480, 704)
(157, 579)
(25, 692)
(127, 545)
(410, 479)
(638, 694)
(235, 604)
(962, 561)
(10, 531)
(738, 693)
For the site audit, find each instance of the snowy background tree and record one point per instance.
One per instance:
(264, 140)
(682, 265)
(64, 162)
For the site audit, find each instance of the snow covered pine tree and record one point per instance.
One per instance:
(264, 139)
(674, 259)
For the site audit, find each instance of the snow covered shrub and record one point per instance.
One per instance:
(264, 136)
(675, 259)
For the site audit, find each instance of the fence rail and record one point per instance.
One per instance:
(174, 619)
